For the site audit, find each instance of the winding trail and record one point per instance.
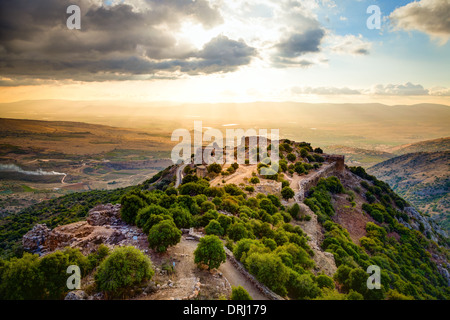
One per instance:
(179, 175)
(235, 278)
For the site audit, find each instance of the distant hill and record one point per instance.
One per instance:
(436, 145)
(366, 126)
(358, 156)
(422, 178)
(367, 157)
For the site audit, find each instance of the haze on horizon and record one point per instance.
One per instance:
(210, 51)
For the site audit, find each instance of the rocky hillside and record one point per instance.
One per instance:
(421, 178)
(309, 231)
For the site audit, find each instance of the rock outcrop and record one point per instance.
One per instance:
(76, 295)
(33, 241)
(104, 215)
(102, 226)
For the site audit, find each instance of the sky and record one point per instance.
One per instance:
(226, 51)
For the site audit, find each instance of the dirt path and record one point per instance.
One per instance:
(237, 279)
(244, 171)
(182, 283)
(179, 175)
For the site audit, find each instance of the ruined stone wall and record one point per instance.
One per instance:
(269, 294)
(334, 165)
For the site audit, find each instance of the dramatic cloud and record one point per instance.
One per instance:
(300, 43)
(128, 40)
(407, 89)
(428, 16)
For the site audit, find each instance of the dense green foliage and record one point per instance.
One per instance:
(64, 210)
(406, 267)
(210, 252)
(122, 269)
(239, 293)
(163, 234)
(31, 277)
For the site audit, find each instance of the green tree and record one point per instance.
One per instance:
(238, 231)
(225, 221)
(130, 207)
(163, 235)
(270, 270)
(181, 216)
(254, 180)
(22, 279)
(95, 258)
(239, 293)
(215, 228)
(53, 267)
(291, 157)
(210, 252)
(325, 281)
(214, 167)
(145, 213)
(287, 193)
(123, 268)
(302, 286)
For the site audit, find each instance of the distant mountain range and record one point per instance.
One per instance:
(368, 158)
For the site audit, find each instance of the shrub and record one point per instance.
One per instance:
(125, 267)
(163, 235)
(254, 180)
(294, 210)
(214, 228)
(214, 167)
(249, 189)
(210, 252)
(95, 258)
(243, 246)
(153, 220)
(287, 193)
(238, 231)
(130, 206)
(291, 157)
(208, 205)
(53, 267)
(182, 217)
(304, 153)
(225, 221)
(22, 279)
(318, 150)
(324, 281)
(302, 286)
(145, 213)
(270, 270)
(239, 293)
(370, 197)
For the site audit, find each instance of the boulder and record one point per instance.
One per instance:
(33, 241)
(76, 295)
(103, 215)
